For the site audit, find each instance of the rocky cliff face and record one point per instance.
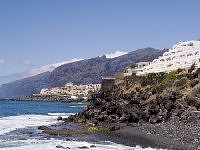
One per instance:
(81, 72)
(151, 99)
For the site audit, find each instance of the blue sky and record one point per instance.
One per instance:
(38, 32)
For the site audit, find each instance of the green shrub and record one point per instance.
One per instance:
(133, 75)
(153, 75)
(169, 76)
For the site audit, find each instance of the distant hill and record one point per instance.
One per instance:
(33, 72)
(80, 72)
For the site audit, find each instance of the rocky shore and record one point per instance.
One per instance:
(160, 110)
(38, 97)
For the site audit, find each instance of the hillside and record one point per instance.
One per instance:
(158, 107)
(81, 72)
(33, 72)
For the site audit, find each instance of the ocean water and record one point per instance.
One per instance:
(19, 121)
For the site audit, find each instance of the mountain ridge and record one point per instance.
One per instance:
(33, 72)
(80, 72)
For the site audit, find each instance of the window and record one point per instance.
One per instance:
(168, 59)
(190, 44)
(182, 55)
(179, 50)
(169, 65)
(162, 60)
(189, 54)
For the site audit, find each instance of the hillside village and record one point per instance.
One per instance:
(99, 75)
(82, 72)
(163, 101)
(183, 55)
(73, 91)
(147, 95)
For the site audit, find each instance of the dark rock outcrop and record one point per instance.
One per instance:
(150, 99)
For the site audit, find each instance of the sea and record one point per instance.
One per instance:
(19, 121)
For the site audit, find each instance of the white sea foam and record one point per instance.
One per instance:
(60, 114)
(51, 145)
(77, 106)
(11, 123)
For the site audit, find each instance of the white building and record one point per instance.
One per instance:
(138, 69)
(180, 56)
(93, 87)
(72, 90)
(70, 84)
(44, 91)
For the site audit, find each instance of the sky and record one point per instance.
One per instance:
(39, 32)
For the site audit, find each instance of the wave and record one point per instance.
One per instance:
(52, 144)
(77, 106)
(11, 123)
(15, 123)
(61, 114)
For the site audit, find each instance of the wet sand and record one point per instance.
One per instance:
(174, 134)
(138, 137)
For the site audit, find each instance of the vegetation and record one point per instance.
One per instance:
(169, 76)
(152, 75)
(82, 72)
(134, 74)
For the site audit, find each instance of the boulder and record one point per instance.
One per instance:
(44, 128)
(133, 118)
(59, 118)
(83, 147)
(114, 127)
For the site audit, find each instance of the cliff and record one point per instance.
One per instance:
(81, 72)
(169, 102)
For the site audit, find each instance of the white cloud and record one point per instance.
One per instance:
(2, 61)
(27, 62)
(115, 54)
(50, 67)
(33, 72)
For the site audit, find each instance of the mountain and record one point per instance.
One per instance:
(80, 72)
(33, 72)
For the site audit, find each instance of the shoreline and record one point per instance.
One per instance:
(157, 110)
(45, 98)
(173, 134)
(128, 136)
(145, 140)
(159, 136)
(156, 136)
